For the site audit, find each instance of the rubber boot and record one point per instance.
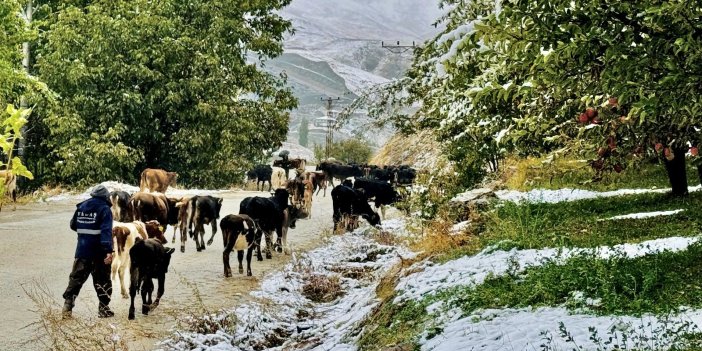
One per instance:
(104, 311)
(67, 310)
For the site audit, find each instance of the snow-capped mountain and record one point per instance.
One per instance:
(336, 52)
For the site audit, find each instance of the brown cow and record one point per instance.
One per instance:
(157, 180)
(307, 198)
(10, 180)
(154, 206)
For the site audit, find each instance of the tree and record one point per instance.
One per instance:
(519, 76)
(12, 122)
(166, 84)
(304, 131)
(13, 81)
(350, 151)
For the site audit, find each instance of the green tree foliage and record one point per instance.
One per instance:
(164, 84)
(13, 81)
(519, 77)
(12, 122)
(349, 151)
(304, 132)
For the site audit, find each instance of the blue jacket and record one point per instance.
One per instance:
(93, 223)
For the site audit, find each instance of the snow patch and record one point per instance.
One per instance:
(529, 329)
(473, 270)
(646, 214)
(568, 194)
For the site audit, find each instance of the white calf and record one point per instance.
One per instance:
(123, 238)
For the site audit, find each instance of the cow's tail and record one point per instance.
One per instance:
(142, 181)
(192, 208)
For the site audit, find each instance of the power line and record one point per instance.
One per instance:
(331, 121)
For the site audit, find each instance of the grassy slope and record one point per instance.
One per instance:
(655, 283)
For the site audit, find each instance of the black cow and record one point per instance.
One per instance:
(385, 174)
(149, 260)
(405, 175)
(381, 192)
(262, 174)
(349, 203)
(238, 233)
(202, 210)
(120, 206)
(271, 214)
(335, 170)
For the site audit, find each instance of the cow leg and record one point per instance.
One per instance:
(382, 211)
(123, 266)
(175, 231)
(257, 242)
(285, 247)
(159, 293)
(228, 246)
(240, 257)
(199, 234)
(133, 286)
(214, 231)
(249, 253)
(146, 289)
(269, 243)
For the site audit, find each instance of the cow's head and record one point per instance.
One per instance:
(173, 208)
(172, 177)
(167, 258)
(155, 230)
(373, 218)
(218, 206)
(295, 213)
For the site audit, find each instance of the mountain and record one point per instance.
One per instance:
(336, 52)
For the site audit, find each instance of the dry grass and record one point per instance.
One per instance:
(322, 288)
(420, 150)
(55, 333)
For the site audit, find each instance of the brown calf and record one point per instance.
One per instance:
(157, 180)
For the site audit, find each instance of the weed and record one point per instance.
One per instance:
(55, 333)
(322, 288)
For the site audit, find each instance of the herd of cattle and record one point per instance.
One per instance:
(141, 219)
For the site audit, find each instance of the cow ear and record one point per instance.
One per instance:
(170, 250)
(219, 200)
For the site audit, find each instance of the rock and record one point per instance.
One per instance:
(473, 194)
(473, 200)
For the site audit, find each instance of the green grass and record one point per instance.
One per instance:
(395, 325)
(659, 284)
(530, 174)
(578, 224)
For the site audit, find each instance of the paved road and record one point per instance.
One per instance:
(37, 252)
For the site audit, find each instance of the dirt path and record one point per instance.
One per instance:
(37, 251)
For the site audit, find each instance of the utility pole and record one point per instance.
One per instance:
(330, 125)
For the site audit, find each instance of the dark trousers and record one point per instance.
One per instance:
(82, 268)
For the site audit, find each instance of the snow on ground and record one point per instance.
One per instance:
(117, 186)
(567, 194)
(529, 329)
(646, 214)
(281, 317)
(473, 270)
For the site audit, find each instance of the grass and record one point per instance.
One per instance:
(581, 224)
(657, 284)
(532, 173)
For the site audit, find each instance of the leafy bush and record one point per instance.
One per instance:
(350, 151)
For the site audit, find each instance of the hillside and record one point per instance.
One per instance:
(420, 150)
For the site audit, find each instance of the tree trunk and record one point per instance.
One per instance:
(677, 174)
(699, 172)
